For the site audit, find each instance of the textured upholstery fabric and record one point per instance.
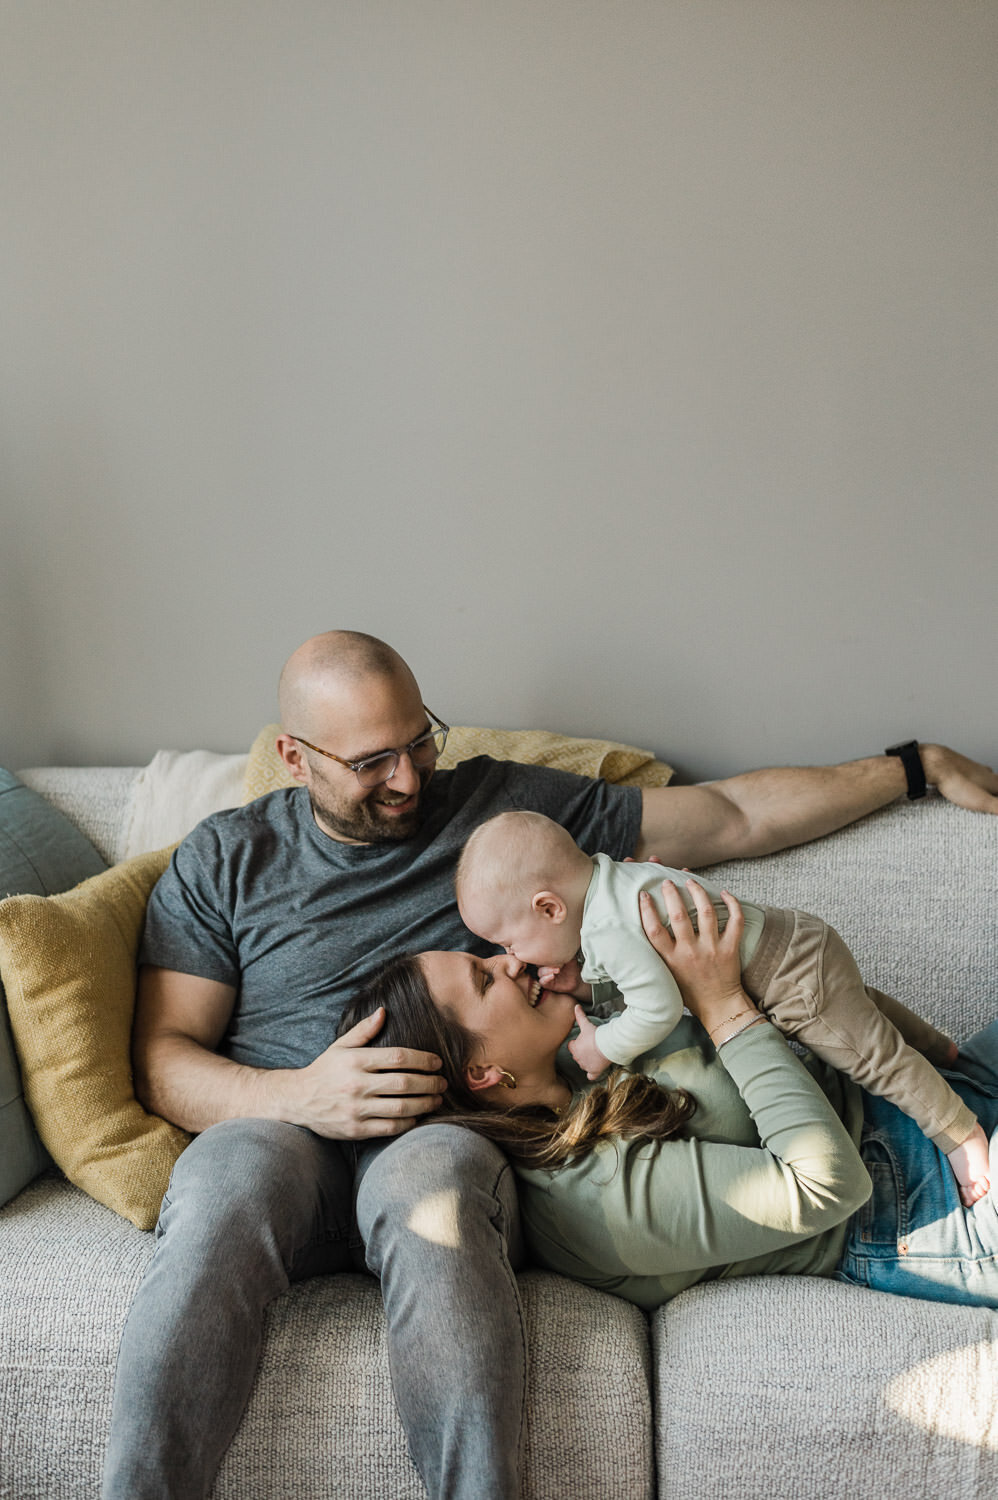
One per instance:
(321, 1420)
(175, 791)
(68, 965)
(70, 1270)
(914, 892)
(41, 851)
(588, 1381)
(588, 1398)
(790, 1388)
(97, 799)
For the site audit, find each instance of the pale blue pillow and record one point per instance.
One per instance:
(41, 853)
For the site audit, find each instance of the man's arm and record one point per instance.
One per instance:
(350, 1091)
(762, 811)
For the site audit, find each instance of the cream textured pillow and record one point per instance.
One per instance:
(625, 765)
(175, 791)
(68, 966)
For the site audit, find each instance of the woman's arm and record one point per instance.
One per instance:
(701, 1203)
(769, 1163)
(735, 1201)
(648, 1221)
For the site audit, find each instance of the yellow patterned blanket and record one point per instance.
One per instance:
(624, 764)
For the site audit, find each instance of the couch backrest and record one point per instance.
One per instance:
(913, 889)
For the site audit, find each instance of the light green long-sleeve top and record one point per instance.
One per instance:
(764, 1182)
(616, 952)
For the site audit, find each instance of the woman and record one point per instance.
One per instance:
(732, 1157)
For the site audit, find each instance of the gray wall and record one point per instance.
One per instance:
(630, 364)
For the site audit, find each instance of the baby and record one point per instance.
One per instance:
(524, 884)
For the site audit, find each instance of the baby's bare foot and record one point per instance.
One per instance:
(971, 1167)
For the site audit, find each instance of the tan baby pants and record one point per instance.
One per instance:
(804, 978)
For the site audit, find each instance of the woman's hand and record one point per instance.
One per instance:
(704, 962)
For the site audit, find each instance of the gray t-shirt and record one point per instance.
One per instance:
(261, 899)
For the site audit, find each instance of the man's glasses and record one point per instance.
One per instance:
(374, 770)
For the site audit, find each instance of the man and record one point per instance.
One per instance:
(268, 918)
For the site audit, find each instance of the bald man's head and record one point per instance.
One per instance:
(330, 669)
(347, 697)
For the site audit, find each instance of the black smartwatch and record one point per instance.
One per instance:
(913, 769)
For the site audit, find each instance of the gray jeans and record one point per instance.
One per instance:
(255, 1205)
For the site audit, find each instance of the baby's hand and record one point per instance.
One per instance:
(584, 1048)
(565, 980)
(971, 1167)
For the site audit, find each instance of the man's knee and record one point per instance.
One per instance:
(242, 1174)
(242, 1151)
(438, 1185)
(433, 1158)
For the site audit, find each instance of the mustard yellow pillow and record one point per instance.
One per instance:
(69, 966)
(624, 764)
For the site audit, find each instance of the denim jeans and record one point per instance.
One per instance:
(254, 1205)
(914, 1237)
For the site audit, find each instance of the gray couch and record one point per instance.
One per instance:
(778, 1387)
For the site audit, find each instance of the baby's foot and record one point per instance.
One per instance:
(971, 1167)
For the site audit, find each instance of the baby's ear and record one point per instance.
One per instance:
(550, 906)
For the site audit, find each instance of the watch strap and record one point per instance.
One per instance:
(914, 771)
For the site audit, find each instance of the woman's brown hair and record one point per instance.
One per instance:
(624, 1106)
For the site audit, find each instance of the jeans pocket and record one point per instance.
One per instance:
(882, 1222)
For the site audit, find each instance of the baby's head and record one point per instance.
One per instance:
(521, 884)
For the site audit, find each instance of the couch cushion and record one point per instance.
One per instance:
(321, 1419)
(175, 791)
(588, 1403)
(912, 890)
(95, 798)
(41, 852)
(68, 964)
(794, 1388)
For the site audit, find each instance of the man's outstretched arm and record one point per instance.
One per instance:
(762, 811)
(350, 1092)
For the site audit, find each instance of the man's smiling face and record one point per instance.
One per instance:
(372, 714)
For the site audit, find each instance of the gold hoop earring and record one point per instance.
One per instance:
(507, 1081)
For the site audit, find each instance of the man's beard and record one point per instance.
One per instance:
(365, 822)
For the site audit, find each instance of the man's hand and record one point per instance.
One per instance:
(350, 1092)
(353, 1091)
(584, 1048)
(965, 782)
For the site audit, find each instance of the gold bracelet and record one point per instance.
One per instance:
(747, 1027)
(737, 1014)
